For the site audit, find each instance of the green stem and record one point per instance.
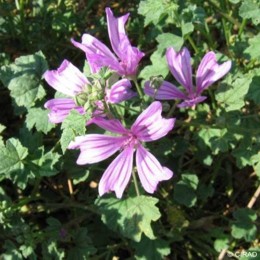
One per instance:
(128, 108)
(192, 43)
(242, 27)
(209, 36)
(135, 183)
(139, 90)
(225, 15)
(172, 109)
(226, 32)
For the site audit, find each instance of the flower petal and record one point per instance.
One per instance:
(166, 91)
(116, 30)
(210, 71)
(67, 79)
(96, 147)
(150, 170)
(97, 53)
(118, 173)
(180, 67)
(112, 125)
(150, 125)
(120, 91)
(129, 55)
(192, 102)
(60, 108)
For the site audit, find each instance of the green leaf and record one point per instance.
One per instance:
(253, 49)
(11, 252)
(26, 89)
(50, 251)
(2, 128)
(218, 140)
(254, 89)
(243, 226)
(234, 1)
(151, 249)
(250, 9)
(231, 94)
(184, 192)
(155, 10)
(222, 240)
(158, 67)
(166, 40)
(83, 246)
(38, 117)
(12, 156)
(23, 79)
(73, 125)
(187, 28)
(46, 163)
(130, 217)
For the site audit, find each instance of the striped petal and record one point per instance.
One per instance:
(210, 71)
(129, 56)
(116, 30)
(150, 170)
(166, 91)
(97, 53)
(112, 125)
(96, 147)
(60, 108)
(150, 125)
(67, 79)
(118, 173)
(120, 91)
(180, 67)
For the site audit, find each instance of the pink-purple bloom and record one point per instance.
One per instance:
(98, 55)
(209, 71)
(149, 126)
(70, 81)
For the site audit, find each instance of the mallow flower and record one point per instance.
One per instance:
(70, 81)
(209, 71)
(98, 54)
(149, 126)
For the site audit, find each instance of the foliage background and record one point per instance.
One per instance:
(49, 206)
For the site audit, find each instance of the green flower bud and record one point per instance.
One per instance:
(156, 81)
(81, 99)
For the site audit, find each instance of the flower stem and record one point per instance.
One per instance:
(139, 90)
(241, 28)
(192, 43)
(135, 183)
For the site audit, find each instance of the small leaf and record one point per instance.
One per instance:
(253, 49)
(243, 226)
(23, 79)
(158, 67)
(250, 9)
(38, 117)
(11, 156)
(166, 40)
(131, 217)
(184, 192)
(151, 249)
(73, 125)
(155, 10)
(231, 95)
(83, 246)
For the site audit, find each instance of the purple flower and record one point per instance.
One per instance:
(70, 81)
(209, 71)
(149, 126)
(98, 55)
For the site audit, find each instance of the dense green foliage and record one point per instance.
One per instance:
(49, 206)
